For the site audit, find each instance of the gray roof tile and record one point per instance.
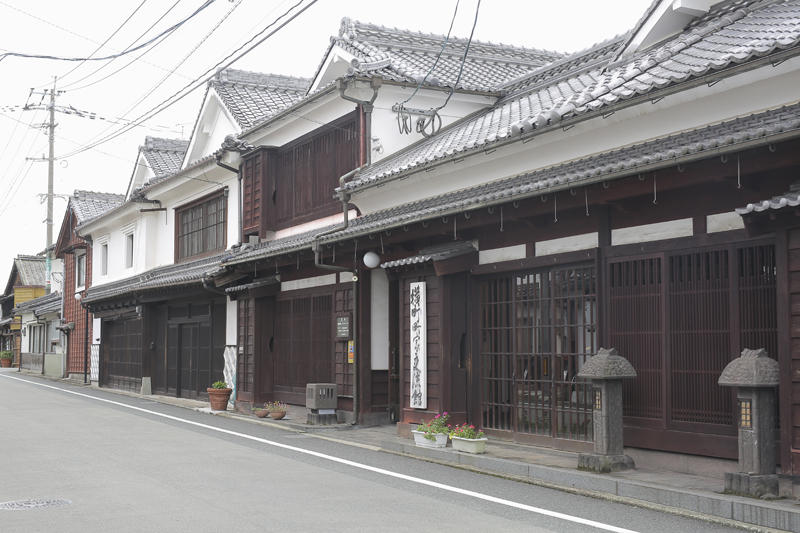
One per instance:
(732, 32)
(434, 253)
(163, 156)
(789, 199)
(42, 305)
(179, 275)
(88, 205)
(407, 56)
(31, 269)
(251, 96)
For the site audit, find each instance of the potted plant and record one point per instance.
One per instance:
(432, 434)
(468, 439)
(261, 411)
(218, 396)
(6, 357)
(277, 410)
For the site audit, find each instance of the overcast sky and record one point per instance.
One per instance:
(128, 88)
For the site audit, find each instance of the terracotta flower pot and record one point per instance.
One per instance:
(5, 363)
(277, 415)
(261, 413)
(218, 398)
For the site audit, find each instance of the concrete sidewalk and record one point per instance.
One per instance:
(699, 496)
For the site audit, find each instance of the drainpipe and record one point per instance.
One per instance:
(375, 84)
(345, 199)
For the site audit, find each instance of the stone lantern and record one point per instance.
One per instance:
(755, 376)
(607, 369)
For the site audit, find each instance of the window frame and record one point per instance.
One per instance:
(130, 241)
(202, 202)
(80, 255)
(104, 259)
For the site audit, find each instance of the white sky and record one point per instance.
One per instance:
(76, 28)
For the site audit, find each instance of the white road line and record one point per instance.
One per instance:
(472, 494)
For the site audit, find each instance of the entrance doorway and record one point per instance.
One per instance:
(537, 330)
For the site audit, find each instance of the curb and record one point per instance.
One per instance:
(732, 511)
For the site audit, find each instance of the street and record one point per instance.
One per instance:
(129, 464)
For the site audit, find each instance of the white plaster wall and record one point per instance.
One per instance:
(317, 281)
(379, 319)
(750, 92)
(497, 255)
(567, 244)
(723, 222)
(230, 323)
(384, 120)
(56, 275)
(652, 232)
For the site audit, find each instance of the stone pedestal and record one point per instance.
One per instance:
(606, 370)
(755, 375)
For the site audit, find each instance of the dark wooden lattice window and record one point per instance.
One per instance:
(679, 318)
(200, 227)
(307, 171)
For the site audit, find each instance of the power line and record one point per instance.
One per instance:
(203, 78)
(106, 41)
(72, 33)
(114, 56)
(126, 49)
(174, 68)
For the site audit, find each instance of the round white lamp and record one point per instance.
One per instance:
(372, 260)
(78, 296)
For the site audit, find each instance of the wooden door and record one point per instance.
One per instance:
(537, 330)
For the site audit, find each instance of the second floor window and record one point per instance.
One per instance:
(201, 227)
(80, 271)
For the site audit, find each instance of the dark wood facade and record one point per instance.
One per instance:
(68, 246)
(679, 309)
(178, 343)
(293, 184)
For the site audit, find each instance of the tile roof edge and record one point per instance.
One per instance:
(569, 119)
(289, 109)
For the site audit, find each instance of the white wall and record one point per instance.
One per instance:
(379, 319)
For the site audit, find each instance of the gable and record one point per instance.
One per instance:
(663, 19)
(213, 124)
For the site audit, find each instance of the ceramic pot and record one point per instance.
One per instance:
(218, 398)
(469, 445)
(420, 440)
(5, 363)
(261, 413)
(277, 415)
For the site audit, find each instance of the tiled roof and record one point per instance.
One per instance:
(406, 56)
(725, 137)
(250, 96)
(31, 269)
(790, 199)
(88, 205)
(42, 305)
(159, 278)
(434, 253)
(163, 156)
(733, 32)
(256, 283)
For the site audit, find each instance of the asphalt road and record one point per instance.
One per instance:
(128, 464)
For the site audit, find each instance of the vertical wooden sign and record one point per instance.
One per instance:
(419, 347)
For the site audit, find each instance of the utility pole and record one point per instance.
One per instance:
(51, 127)
(51, 142)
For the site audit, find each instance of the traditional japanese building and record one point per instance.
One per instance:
(589, 201)
(74, 252)
(25, 282)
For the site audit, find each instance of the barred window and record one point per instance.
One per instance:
(201, 227)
